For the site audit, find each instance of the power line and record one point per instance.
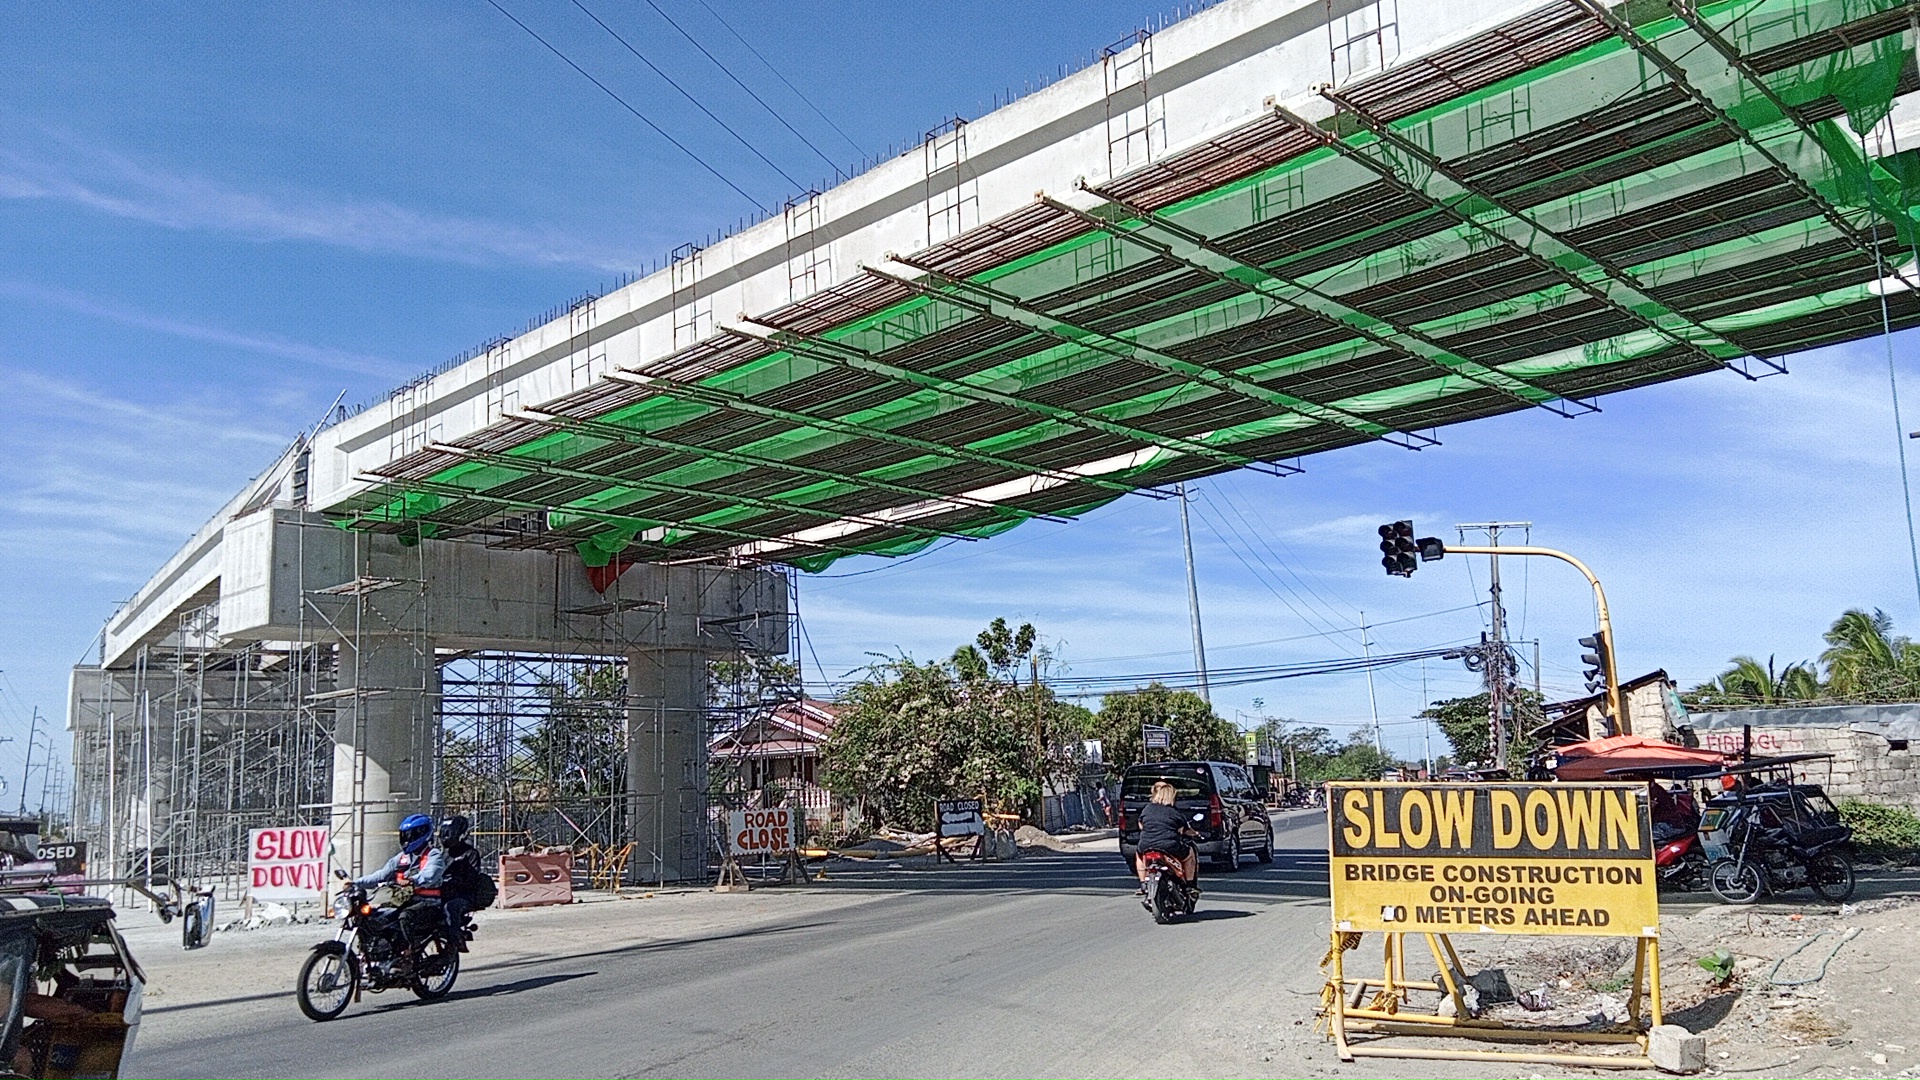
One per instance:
(638, 115)
(783, 79)
(711, 115)
(1272, 641)
(1309, 617)
(1090, 685)
(728, 72)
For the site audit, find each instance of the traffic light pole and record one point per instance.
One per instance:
(1614, 711)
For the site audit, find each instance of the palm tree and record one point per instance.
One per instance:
(1748, 682)
(1866, 661)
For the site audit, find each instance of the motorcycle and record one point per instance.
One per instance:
(1680, 863)
(1169, 895)
(1774, 836)
(1167, 892)
(379, 947)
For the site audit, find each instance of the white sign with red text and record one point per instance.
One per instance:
(288, 863)
(760, 832)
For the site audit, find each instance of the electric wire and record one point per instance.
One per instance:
(728, 72)
(1262, 530)
(1893, 386)
(1269, 641)
(1334, 617)
(768, 64)
(638, 115)
(710, 114)
(1258, 575)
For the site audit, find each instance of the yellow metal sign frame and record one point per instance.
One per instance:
(1369, 1017)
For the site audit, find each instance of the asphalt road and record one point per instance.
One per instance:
(1046, 966)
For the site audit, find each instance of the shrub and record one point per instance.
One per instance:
(1892, 831)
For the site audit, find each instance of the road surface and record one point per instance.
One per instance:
(1046, 966)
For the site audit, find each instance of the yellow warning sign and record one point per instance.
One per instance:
(1544, 858)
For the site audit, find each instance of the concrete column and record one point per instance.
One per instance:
(383, 746)
(667, 764)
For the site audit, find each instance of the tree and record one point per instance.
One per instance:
(1197, 732)
(1748, 683)
(1357, 760)
(915, 733)
(578, 748)
(1465, 723)
(1866, 662)
(1299, 750)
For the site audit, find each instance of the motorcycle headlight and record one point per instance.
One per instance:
(341, 905)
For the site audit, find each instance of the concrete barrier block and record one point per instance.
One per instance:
(1674, 1049)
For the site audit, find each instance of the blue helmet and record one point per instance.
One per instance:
(416, 832)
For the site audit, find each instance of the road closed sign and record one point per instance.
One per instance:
(288, 863)
(1544, 858)
(760, 832)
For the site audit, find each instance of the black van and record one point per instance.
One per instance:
(1233, 817)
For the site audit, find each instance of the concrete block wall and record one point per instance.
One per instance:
(1865, 765)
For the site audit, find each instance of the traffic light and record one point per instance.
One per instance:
(1397, 549)
(1596, 660)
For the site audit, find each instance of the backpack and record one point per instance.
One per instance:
(465, 881)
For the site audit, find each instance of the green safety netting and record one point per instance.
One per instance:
(1579, 202)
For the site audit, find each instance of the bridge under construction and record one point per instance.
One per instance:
(1275, 228)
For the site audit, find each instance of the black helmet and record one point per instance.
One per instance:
(455, 829)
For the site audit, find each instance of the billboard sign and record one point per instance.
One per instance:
(1541, 858)
(1154, 737)
(760, 832)
(288, 863)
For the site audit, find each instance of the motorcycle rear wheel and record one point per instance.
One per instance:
(1831, 875)
(1161, 900)
(435, 969)
(1737, 882)
(327, 983)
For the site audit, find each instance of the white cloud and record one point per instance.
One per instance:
(262, 344)
(61, 167)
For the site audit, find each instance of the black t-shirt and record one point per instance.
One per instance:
(1160, 828)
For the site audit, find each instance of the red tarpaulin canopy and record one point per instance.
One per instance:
(1590, 760)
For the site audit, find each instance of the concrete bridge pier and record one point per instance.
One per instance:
(666, 763)
(384, 728)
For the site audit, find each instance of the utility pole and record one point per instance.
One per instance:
(1039, 740)
(1426, 722)
(1373, 702)
(1497, 664)
(27, 770)
(1193, 600)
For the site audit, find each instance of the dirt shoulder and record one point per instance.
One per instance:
(1815, 990)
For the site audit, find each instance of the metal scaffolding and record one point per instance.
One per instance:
(200, 740)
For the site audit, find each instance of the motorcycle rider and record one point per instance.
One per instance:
(1165, 830)
(419, 866)
(462, 868)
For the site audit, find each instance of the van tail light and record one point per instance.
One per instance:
(1215, 811)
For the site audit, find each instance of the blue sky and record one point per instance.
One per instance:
(214, 220)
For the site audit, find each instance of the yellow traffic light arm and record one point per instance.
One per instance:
(1618, 715)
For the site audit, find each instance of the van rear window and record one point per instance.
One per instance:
(1189, 782)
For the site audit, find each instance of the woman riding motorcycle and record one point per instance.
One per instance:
(1164, 829)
